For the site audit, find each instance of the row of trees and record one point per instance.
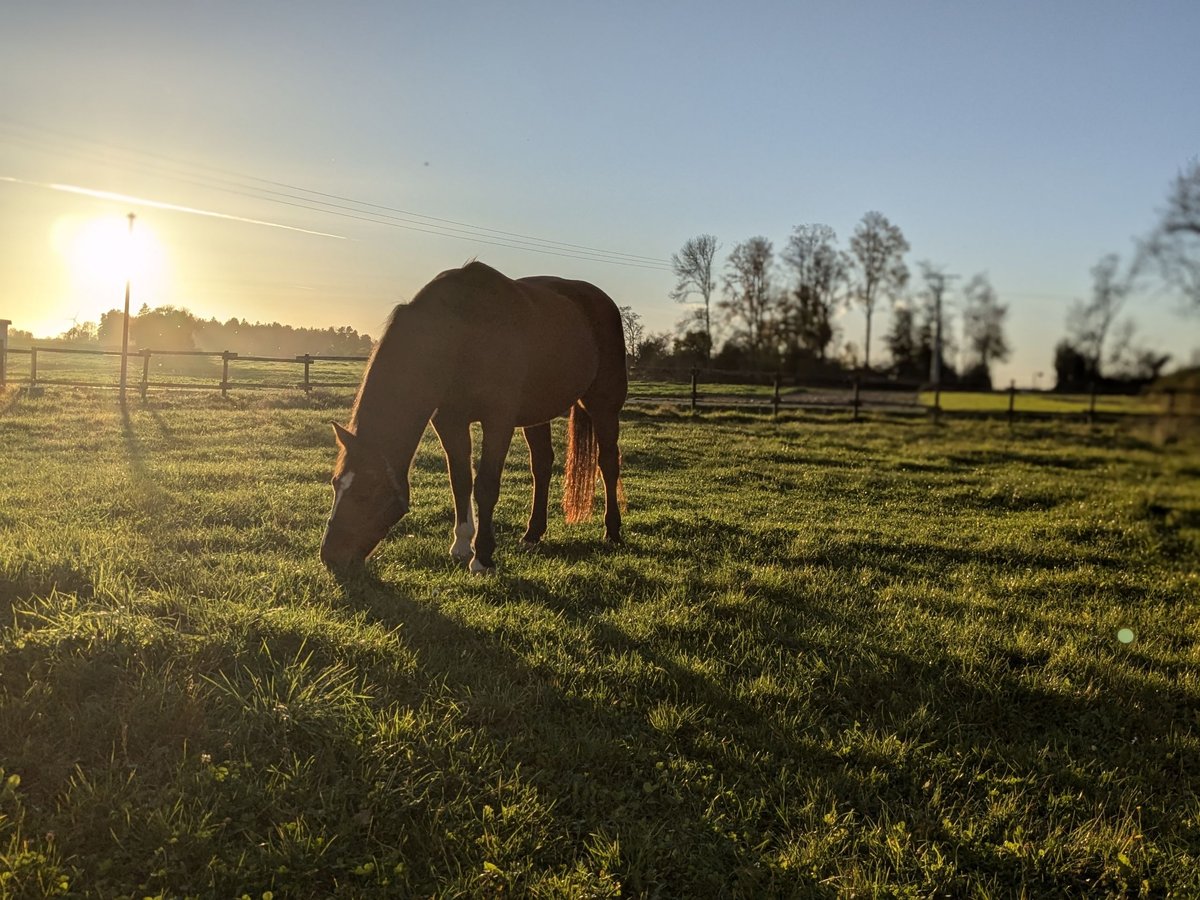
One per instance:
(780, 312)
(169, 328)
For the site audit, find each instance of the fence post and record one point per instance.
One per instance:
(32, 369)
(307, 365)
(695, 383)
(145, 372)
(1170, 401)
(775, 398)
(857, 396)
(226, 356)
(1091, 416)
(937, 403)
(1012, 398)
(4, 323)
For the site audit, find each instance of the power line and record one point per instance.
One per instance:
(319, 201)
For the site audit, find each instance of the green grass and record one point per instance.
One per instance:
(831, 660)
(1043, 403)
(683, 390)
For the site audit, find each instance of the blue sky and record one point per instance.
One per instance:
(1024, 140)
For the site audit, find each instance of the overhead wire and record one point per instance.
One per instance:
(263, 189)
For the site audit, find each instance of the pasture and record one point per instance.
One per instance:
(831, 659)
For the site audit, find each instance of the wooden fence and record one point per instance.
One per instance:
(229, 361)
(699, 390)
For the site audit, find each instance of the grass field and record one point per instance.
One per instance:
(1045, 403)
(878, 660)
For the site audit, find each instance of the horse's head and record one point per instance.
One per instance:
(369, 497)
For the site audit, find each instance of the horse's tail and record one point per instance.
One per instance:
(583, 460)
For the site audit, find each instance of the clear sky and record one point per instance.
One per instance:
(1021, 139)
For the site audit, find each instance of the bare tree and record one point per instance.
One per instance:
(631, 322)
(1131, 359)
(1089, 323)
(1174, 246)
(693, 267)
(749, 302)
(983, 325)
(819, 271)
(877, 250)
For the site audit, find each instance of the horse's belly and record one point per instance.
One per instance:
(559, 369)
(551, 391)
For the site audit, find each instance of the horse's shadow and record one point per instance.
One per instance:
(554, 734)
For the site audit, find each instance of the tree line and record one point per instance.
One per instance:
(776, 310)
(172, 328)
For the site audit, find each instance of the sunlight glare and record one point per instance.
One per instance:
(102, 253)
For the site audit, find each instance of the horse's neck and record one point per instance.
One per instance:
(394, 432)
(395, 406)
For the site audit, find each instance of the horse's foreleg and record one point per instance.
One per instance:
(607, 429)
(496, 439)
(456, 442)
(541, 462)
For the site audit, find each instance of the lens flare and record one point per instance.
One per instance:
(101, 254)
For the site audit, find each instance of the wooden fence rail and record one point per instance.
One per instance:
(757, 392)
(36, 379)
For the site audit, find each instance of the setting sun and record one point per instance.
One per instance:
(100, 254)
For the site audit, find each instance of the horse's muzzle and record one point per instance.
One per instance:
(341, 558)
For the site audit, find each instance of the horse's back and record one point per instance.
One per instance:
(535, 345)
(606, 333)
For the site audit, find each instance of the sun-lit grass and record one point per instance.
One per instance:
(1043, 402)
(830, 660)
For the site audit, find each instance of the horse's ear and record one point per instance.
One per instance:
(345, 437)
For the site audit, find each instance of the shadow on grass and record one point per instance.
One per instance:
(151, 495)
(606, 768)
(592, 761)
(10, 398)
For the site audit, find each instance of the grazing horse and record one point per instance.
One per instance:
(476, 346)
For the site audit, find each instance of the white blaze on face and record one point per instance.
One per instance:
(343, 485)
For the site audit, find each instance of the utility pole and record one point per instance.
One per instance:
(936, 279)
(4, 323)
(125, 325)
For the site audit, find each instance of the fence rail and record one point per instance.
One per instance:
(36, 377)
(695, 391)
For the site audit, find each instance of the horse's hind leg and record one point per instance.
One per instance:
(607, 428)
(541, 462)
(455, 436)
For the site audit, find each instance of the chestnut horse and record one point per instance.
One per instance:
(476, 346)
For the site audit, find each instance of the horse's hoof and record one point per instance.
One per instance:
(529, 546)
(461, 549)
(478, 568)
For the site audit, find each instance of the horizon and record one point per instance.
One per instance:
(340, 162)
